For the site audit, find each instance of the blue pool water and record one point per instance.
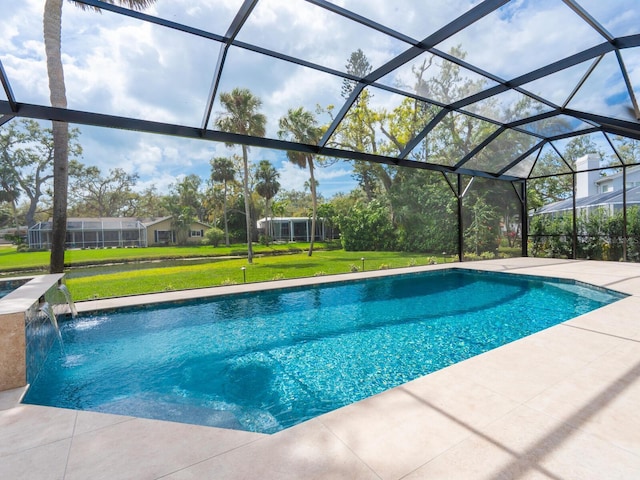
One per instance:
(8, 286)
(264, 362)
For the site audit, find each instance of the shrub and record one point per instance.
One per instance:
(214, 236)
(509, 252)
(367, 227)
(264, 240)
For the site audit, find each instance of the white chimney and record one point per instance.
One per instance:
(586, 181)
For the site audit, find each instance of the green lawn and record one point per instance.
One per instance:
(11, 260)
(271, 263)
(149, 280)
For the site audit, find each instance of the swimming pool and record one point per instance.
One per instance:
(9, 285)
(263, 362)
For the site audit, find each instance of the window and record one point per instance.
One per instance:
(196, 233)
(163, 236)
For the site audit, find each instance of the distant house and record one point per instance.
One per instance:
(114, 232)
(7, 234)
(294, 229)
(597, 191)
(160, 231)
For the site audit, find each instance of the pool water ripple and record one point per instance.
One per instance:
(267, 361)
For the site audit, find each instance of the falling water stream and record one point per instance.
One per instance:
(47, 309)
(67, 295)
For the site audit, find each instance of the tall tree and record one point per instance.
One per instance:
(183, 203)
(9, 189)
(148, 203)
(188, 191)
(26, 155)
(628, 149)
(223, 171)
(95, 194)
(9, 183)
(52, 30)
(299, 125)
(242, 116)
(358, 65)
(267, 187)
(293, 203)
(579, 147)
(357, 131)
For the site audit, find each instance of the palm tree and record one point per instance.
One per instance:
(242, 117)
(52, 29)
(301, 126)
(267, 187)
(223, 171)
(10, 193)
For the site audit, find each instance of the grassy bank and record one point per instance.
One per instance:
(13, 261)
(274, 262)
(148, 280)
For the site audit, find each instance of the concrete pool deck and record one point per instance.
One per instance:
(560, 404)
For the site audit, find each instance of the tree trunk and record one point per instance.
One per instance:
(52, 27)
(29, 217)
(314, 201)
(268, 224)
(247, 203)
(224, 208)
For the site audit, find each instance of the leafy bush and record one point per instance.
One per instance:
(15, 239)
(214, 236)
(600, 235)
(551, 237)
(424, 211)
(509, 252)
(367, 227)
(264, 240)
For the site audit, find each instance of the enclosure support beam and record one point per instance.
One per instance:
(624, 213)
(574, 233)
(524, 219)
(460, 196)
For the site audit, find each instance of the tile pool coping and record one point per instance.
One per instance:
(561, 403)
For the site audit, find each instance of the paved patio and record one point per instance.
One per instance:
(561, 404)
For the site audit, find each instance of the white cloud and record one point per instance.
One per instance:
(121, 66)
(293, 177)
(331, 180)
(526, 35)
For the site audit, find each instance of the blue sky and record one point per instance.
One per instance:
(121, 66)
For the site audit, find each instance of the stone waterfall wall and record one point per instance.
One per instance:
(25, 333)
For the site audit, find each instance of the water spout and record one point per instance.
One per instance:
(67, 295)
(47, 309)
